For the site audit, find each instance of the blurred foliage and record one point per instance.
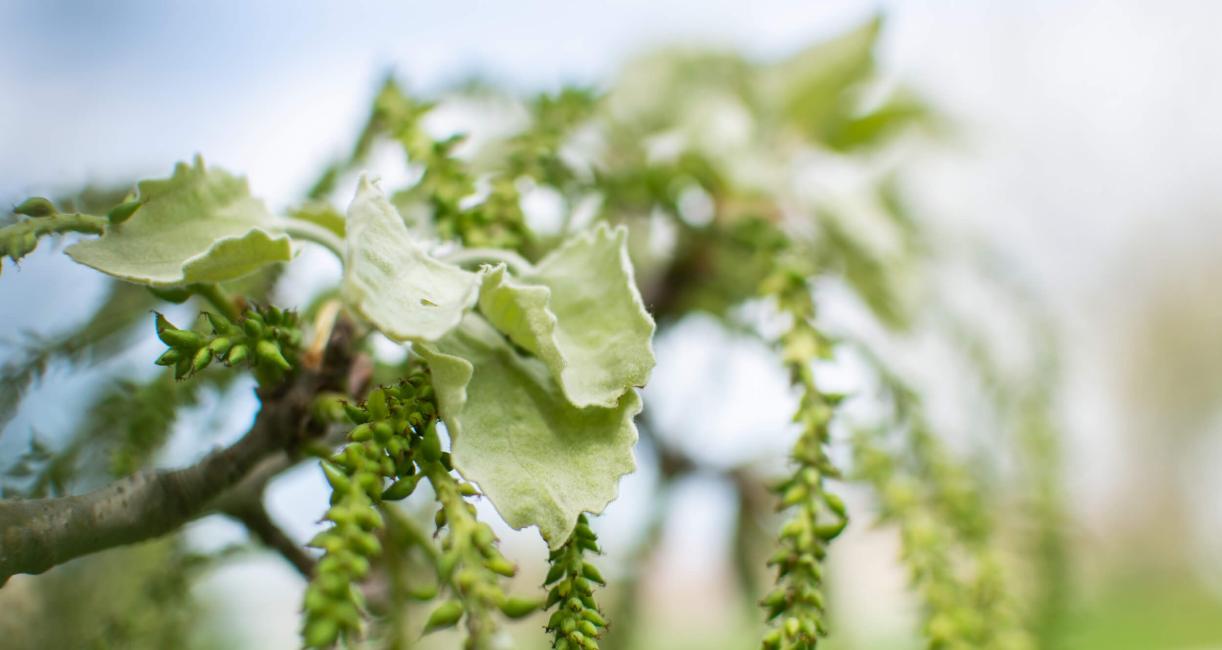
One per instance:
(134, 598)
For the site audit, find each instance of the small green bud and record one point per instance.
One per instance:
(182, 339)
(446, 615)
(367, 544)
(401, 488)
(382, 431)
(376, 405)
(369, 519)
(237, 354)
(203, 357)
(220, 345)
(169, 358)
(446, 564)
(361, 433)
(500, 566)
(321, 632)
(122, 212)
(253, 327)
(315, 600)
(835, 503)
(220, 324)
(342, 515)
(162, 323)
(36, 207)
(594, 617)
(467, 490)
(828, 532)
(591, 573)
(430, 446)
(336, 477)
(515, 607)
(269, 352)
(357, 414)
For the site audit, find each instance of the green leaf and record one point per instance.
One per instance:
(392, 282)
(580, 312)
(539, 459)
(813, 85)
(199, 225)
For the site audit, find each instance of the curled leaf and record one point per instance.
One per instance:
(392, 281)
(579, 311)
(541, 460)
(199, 225)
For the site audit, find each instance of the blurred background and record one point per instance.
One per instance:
(1068, 171)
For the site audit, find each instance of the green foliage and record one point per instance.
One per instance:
(136, 598)
(106, 332)
(541, 460)
(580, 312)
(199, 225)
(526, 348)
(392, 281)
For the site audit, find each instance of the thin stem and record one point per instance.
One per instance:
(215, 296)
(312, 232)
(473, 256)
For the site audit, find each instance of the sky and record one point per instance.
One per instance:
(1087, 144)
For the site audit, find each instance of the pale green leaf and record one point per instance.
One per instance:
(580, 312)
(199, 225)
(539, 459)
(812, 86)
(392, 281)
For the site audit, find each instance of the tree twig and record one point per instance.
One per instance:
(37, 534)
(255, 518)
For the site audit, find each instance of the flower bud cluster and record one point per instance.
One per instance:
(265, 338)
(394, 425)
(576, 624)
(816, 517)
(469, 562)
(951, 567)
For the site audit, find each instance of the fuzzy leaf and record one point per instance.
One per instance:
(580, 312)
(392, 282)
(199, 225)
(539, 459)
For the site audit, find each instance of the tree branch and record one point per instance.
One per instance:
(254, 516)
(37, 534)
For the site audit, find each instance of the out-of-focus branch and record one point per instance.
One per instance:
(255, 518)
(37, 534)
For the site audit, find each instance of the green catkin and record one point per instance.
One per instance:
(274, 336)
(945, 543)
(393, 444)
(576, 623)
(357, 474)
(470, 562)
(796, 604)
